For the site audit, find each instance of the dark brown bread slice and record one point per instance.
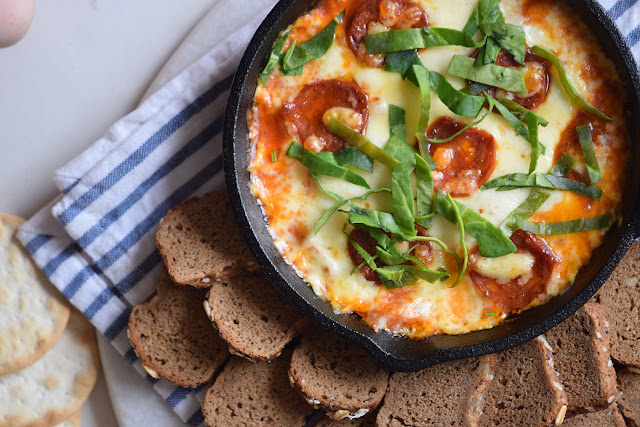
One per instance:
(526, 390)
(448, 394)
(336, 376)
(174, 338)
(200, 242)
(629, 402)
(254, 394)
(369, 420)
(609, 417)
(581, 357)
(619, 297)
(252, 316)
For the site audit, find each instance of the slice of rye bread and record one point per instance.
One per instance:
(608, 417)
(173, 337)
(254, 394)
(200, 242)
(252, 316)
(581, 357)
(526, 390)
(448, 394)
(336, 376)
(369, 420)
(629, 402)
(620, 298)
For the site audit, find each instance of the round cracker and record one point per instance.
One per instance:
(33, 314)
(54, 388)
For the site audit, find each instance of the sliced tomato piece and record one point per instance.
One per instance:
(517, 293)
(314, 100)
(382, 15)
(466, 162)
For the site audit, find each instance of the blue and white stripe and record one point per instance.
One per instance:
(96, 241)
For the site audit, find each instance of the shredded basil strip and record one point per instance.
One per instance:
(490, 101)
(397, 123)
(427, 275)
(274, 57)
(589, 153)
(287, 57)
(324, 165)
(521, 112)
(489, 74)
(541, 180)
(402, 63)
(510, 37)
(424, 83)
(356, 139)
(569, 89)
(424, 193)
(463, 244)
(565, 227)
(351, 156)
(313, 48)
(417, 38)
(377, 219)
(401, 191)
(333, 209)
(474, 88)
(532, 128)
(369, 259)
(491, 241)
(537, 196)
(458, 102)
(486, 11)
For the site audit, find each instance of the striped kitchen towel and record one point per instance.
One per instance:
(96, 241)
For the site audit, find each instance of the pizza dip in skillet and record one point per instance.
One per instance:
(435, 166)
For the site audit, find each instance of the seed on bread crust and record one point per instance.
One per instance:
(200, 242)
(252, 316)
(336, 375)
(173, 336)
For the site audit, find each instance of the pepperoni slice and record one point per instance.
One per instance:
(516, 294)
(466, 162)
(537, 77)
(382, 15)
(422, 250)
(307, 109)
(570, 142)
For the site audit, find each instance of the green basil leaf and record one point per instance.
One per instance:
(489, 53)
(589, 153)
(490, 74)
(485, 12)
(402, 152)
(402, 63)
(491, 103)
(537, 196)
(521, 112)
(313, 48)
(297, 71)
(565, 227)
(569, 89)
(465, 255)
(340, 203)
(395, 276)
(377, 219)
(397, 124)
(274, 57)
(532, 128)
(458, 102)
(378, 235)
(540, 180)
(474, 88)
(510, 37)
(427, 275)
(323, 166)
(417, 38)
(369, 259)
(491, 241)
(356, 139)
(401, 191)
(424, 193)
(422, 77)
(351, 156)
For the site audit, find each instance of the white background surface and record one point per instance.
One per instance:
(81, 66)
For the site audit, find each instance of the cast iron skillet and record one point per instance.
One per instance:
(399, 353)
